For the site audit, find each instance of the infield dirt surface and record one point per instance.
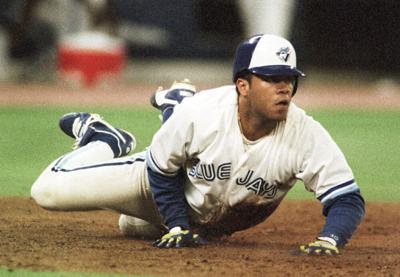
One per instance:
(39, 240)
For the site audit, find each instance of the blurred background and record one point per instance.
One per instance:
(162, 40)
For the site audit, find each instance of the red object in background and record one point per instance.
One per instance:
(91, 64)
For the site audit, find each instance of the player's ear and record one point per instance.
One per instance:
(243, 86)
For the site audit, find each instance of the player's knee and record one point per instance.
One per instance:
(42, 197)
(44, 194)
(135, 227)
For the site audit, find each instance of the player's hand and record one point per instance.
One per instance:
(177, 238)
(320, 248)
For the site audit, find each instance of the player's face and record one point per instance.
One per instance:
(269, 97)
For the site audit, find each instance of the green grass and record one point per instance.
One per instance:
(30, 139)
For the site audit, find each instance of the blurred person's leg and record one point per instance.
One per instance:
(267, 16)
(3, 55)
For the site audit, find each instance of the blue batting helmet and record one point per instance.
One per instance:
(266, 55)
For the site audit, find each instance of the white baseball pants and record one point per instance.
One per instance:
(89, 178)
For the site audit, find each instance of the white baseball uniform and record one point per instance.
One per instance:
(228, 173)
(228, 176)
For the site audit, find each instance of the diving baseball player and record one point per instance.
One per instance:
(222, 161)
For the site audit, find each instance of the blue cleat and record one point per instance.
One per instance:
(166, 100)
(87, 127)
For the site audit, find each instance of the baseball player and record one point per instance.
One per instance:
(222, 161)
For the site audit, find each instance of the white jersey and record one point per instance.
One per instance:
(225, 170)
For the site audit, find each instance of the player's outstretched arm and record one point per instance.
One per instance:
(169, 197)
(343, 215)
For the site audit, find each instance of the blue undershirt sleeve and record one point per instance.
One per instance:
(168, 193)
(343, 215)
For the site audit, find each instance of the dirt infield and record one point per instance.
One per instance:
(40, 240)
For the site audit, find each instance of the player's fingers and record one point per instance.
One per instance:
(170, 243)
(156, 243)
(318, 250)
(329, 252)
(161, 243)
(179, 242)
(304, 249)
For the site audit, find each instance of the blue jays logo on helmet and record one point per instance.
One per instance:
(283, 53)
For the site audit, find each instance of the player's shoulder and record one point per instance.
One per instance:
(296, 114)
(299, 119)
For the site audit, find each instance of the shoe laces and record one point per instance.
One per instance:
(81, 125)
